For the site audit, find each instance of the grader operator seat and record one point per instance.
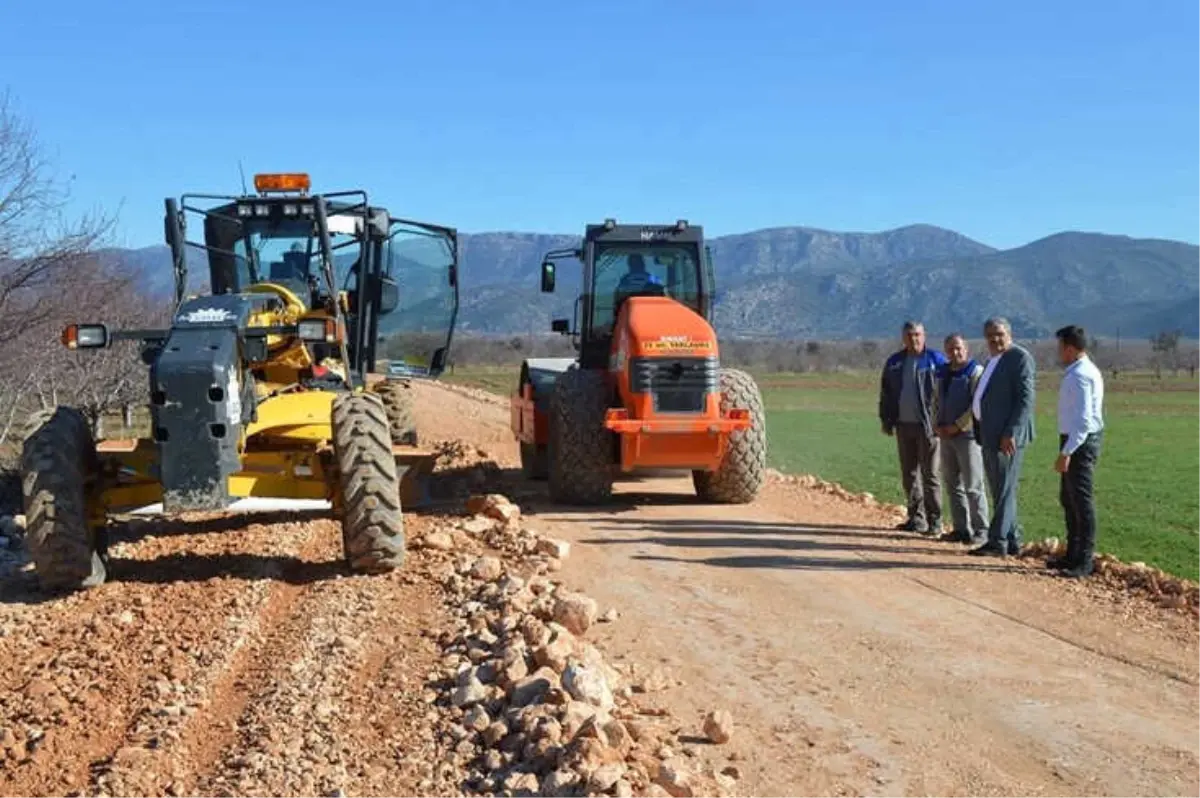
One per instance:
(293, 273)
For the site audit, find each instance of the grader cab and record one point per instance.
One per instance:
(647, 391)
(272, 383)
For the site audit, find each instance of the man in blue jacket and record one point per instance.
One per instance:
(962, 458)
(908, 399)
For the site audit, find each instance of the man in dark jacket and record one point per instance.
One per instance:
(908, 399)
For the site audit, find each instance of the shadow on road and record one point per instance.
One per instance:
(134, 528)
(189, 567)
(23, 588)
(619, 503)
(855, 543)
(752, 542)
(759, 528)
(791, 562)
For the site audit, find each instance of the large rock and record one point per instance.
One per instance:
(588, 684)
(605, 777)
(558, 549)
(439, 541)
(556, 653)
(718, 726)
(534, 687)
(494, 505)
(559, 782)
(469, 691)
(675, 779)
(487, 569)
(575, 611)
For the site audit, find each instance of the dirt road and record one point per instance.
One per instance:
(857, 660)
(237, 656)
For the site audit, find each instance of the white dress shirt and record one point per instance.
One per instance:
(1080, 403)
(976, 401)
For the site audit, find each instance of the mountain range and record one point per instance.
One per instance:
(802, 283)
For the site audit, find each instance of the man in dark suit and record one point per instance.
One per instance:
(1003, 409)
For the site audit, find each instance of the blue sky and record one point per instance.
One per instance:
(1005, 121)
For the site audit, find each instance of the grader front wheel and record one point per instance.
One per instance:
(57, 459)
(369, 501)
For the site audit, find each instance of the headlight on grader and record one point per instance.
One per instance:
(320, 331)
(85, 336)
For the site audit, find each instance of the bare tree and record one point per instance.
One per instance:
(1165, 346)
(50, 276)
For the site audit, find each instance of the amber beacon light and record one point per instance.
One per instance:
(288, 181)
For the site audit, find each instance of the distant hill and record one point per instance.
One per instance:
(801, 282)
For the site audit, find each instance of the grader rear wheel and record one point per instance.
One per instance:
(369, 500)
(397, 397)
(740, 476)
(57, 460)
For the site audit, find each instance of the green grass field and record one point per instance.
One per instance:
(1147, 489)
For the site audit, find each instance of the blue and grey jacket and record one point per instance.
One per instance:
(891, 381)
(956, 390)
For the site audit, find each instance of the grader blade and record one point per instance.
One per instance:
(414, 465)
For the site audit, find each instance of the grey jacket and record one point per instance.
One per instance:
(1008, 402)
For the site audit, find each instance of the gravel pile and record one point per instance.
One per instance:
(1169, 592)
(528, 705)
(815, 483)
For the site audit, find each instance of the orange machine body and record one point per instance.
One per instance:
(662, 348)
(528, 424)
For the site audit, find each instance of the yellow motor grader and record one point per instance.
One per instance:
(287, 378)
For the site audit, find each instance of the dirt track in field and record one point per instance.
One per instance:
(237, 656)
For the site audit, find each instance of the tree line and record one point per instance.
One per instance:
(1165, 352)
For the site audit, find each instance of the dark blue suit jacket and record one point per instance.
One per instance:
(1007, 404)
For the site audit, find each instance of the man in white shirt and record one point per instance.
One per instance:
(1081, 432)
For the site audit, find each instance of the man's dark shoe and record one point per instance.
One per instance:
(956, 537)
(1058, 563)
(1014, 548)
(988, 549)
(1078, 571)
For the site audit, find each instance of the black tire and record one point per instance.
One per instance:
(580, 463)
(368, 485)
(397, 396)
(57, 460)
(740, 476)
(535, 461)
